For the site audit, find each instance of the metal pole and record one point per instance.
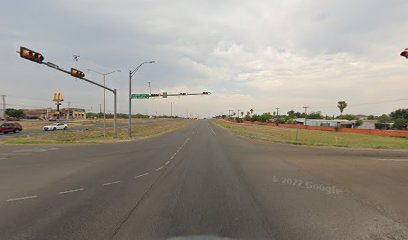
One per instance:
(130, 105)
(171, 109)
(104, 103)
(115, 129)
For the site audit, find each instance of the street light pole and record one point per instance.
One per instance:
(104, 96)
(131, 73)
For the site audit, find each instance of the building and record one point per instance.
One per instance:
(73, 113)
(43, 113)
(49, 113)
(327, 123)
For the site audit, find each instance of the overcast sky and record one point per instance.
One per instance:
(250, 54)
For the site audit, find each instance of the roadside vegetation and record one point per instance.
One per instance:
(311, 137)
(96, 135)
(396, 120)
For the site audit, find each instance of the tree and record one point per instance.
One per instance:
(252, 110)
(242, 114)
(384, 119)
(400, 123)
(341, 105)
(400, 113)
(315, 115)
(15, 113)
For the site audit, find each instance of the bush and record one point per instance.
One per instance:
(400, 123)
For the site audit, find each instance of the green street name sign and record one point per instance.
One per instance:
(140, 96)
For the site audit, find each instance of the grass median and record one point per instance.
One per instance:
(312, 137)
(95, 135)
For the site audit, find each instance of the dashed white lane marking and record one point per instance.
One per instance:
(172, 157)
(21, 198)
(174, 154)
(167, 162)
(159, 168)
(142, 175)
(212, 131)
(71, 191)
(110, 183)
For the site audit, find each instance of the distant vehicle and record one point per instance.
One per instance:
(12, 119)
(56, 126)
(10, 127)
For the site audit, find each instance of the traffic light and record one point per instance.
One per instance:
(155, 95)
(405, 53)
(31, 55)
(206, 93)
(183, 94)
(76, 73)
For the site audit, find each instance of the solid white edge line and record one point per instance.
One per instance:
(159, 168)
(142, 175)
(110, 183)
(21, 198)
(70, 191)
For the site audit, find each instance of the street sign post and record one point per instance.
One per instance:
(140, 96)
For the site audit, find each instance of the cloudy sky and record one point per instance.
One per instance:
(258, 54)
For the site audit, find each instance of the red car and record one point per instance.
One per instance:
(10, 127)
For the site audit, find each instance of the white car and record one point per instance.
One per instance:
(56, 126)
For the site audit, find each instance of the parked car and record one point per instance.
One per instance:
(12, 119)
(56, 126)
(10, 127)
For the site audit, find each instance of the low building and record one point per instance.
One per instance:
(327, 123)
(73, 113)
(42, 113)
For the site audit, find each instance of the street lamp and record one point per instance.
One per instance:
(104, 96)
(131, 73)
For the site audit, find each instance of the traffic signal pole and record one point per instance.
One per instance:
(28, 54)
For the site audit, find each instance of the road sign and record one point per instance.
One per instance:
(140, 96)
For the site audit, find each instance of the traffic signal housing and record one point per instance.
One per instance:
(206, 93)
(405, 53)
(31, 55)
(76, 73)
(183, 94)
(155, 95)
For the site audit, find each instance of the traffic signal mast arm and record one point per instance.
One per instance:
(38, 58)
(165, 94)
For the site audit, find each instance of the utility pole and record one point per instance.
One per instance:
(68, 110)
(4, 107)
(150, 89)
(171, 109)
(277, 111)
(305, 113)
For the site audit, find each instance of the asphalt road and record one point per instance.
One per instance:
(201, 181)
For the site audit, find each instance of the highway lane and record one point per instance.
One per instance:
(199, 180)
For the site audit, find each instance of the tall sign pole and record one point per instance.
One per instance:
(130, 105)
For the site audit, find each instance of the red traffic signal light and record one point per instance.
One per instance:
(405, 53)
(31, 55)
(76, 73)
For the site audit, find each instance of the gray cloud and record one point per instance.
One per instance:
(252, 54)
